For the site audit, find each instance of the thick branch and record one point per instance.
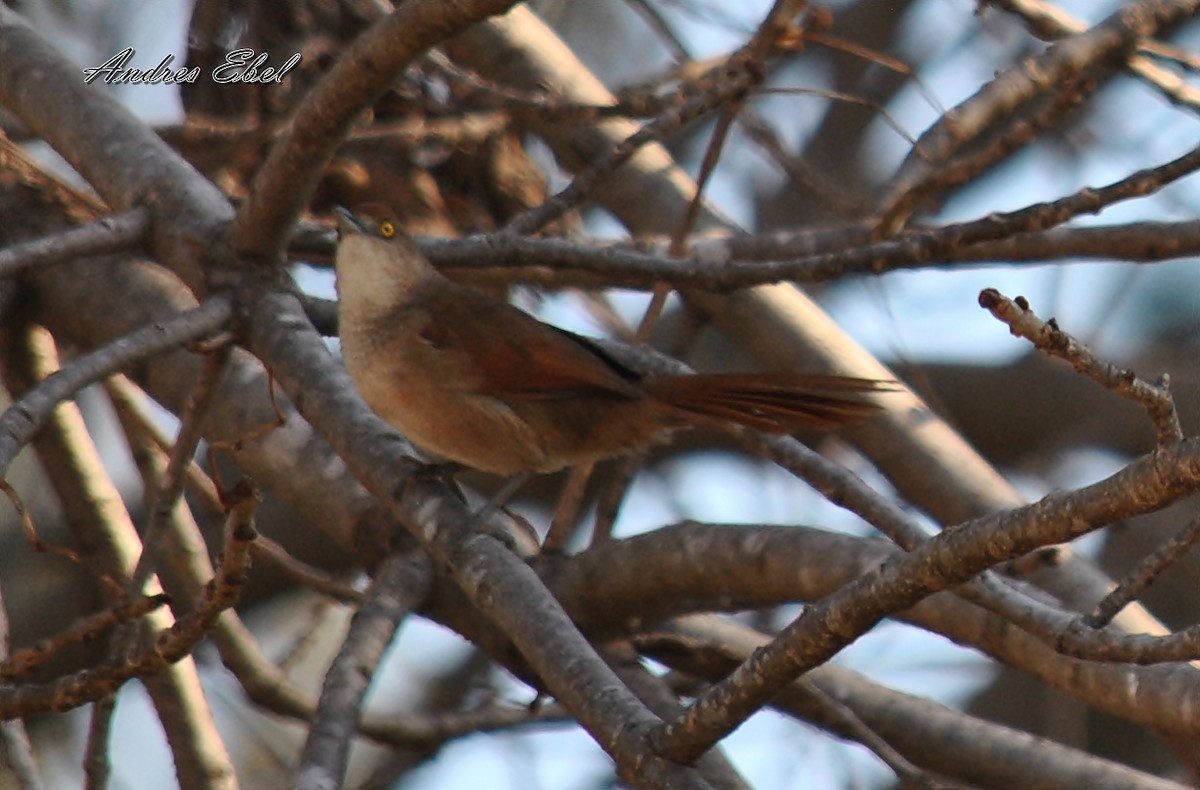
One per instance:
(950, 558)
(617, 586)
(119, 155)
(984, 754)
(496, 581)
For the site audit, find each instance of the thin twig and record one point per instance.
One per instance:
(674, 119)
(23, 661)
(740, 73)
(167, 647)
(171, 484)
(1140, 577)
(128, 401)
(566, 510)
(608, 504)
(1046, 336)
(966, 167)
(96, 765)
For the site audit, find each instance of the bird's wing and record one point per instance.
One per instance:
(510, 354)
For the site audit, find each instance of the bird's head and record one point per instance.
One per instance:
(378, 264)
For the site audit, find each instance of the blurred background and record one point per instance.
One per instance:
(833, 123)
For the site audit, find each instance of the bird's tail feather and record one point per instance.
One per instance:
(775, 403)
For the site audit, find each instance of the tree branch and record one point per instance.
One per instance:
(286, 180)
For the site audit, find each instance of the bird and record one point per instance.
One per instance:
(470, 378)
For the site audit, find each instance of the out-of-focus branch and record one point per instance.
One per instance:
(363, 73)
(18, 425)
(1053, 23)
(1102, 47)
(119, 155)
(108, 234)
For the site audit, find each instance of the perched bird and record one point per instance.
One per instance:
(472, 379)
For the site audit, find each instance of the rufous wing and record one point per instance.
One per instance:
(513, 355)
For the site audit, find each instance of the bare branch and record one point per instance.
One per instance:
(21, 662)
(170, 488)
(952, 557)
(287, 178)
(21, 420)
(168, 646)
(399, 585)
(1141, 576)
(1053, 23)
(1047, 337)
(1109, 42)
(109, 234)
(491, 576)
(119, 155)
(613, 587)
(108, 543)
(972, 749)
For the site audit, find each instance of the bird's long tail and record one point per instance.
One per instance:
(776, 403)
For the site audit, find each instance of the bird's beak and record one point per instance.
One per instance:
(348, 224)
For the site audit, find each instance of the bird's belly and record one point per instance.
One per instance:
(478, 431)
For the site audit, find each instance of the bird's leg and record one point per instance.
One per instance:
(608, 502)
(562, 525)
(496, 502)
(444, 472)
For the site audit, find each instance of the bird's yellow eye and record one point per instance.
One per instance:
(387, 229)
